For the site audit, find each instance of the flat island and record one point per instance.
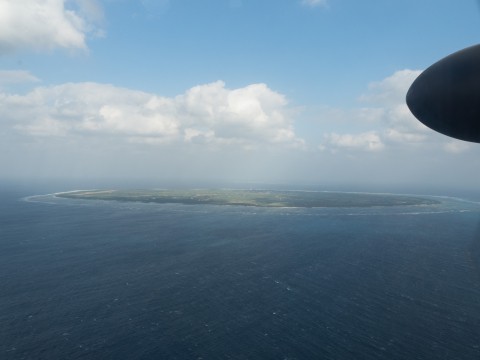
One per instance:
(261, 198)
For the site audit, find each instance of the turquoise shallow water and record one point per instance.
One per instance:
(108, 280)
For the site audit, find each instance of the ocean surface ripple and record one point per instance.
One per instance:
(111, 280)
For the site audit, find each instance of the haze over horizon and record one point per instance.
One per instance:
(290, 91)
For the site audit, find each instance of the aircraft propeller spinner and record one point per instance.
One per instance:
(446, 96)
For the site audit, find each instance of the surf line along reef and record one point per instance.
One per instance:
(259, 198)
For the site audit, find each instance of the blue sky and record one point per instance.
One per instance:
(286, 91)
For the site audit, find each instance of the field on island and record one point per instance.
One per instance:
(261, 198)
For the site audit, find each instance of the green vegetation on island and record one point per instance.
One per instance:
(261, 198)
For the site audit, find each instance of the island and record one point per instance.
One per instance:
(259, 198)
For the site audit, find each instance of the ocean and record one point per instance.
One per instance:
(86, 279)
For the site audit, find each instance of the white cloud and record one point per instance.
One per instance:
(91, 9)
(386, 124)
(16, 77)
(400, 126)
(404, 137)
(391, 90)
(92, 12)
(314, 3)
(368, 141)
(205, 114)
(457, 146)
(45, 24)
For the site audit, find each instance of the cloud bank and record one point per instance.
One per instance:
(206, 114)
(210, 131)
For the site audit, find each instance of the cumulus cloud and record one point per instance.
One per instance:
(207, 114)
(368, 141)
(91, 10)
(45, 24)
(314, 3)
(391, 90)
(16, 77)
(401, 127)
(398, 136)
(386, 121)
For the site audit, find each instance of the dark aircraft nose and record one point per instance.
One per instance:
(446, 96)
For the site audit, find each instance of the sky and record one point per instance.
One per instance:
(301, 92)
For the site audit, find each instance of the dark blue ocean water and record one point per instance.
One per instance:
(108, 280)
